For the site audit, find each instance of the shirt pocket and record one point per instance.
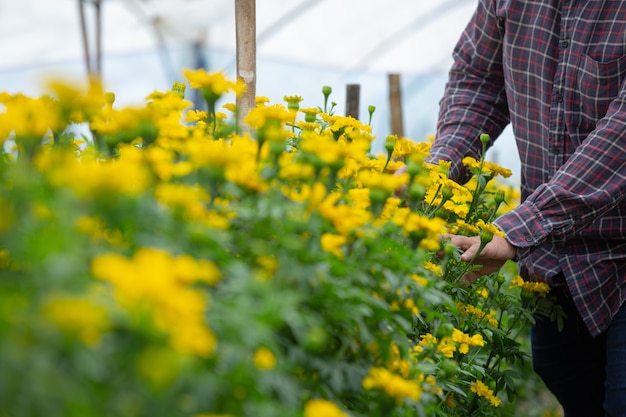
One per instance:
(598, 83)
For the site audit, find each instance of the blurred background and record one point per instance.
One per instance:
(140, 46)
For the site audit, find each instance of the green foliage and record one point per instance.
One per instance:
(198, 272)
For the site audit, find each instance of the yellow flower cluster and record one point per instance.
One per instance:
(126, 175)
(448, 345)
(482, 390)
(487, 167)
(467, 309)
(322, 408)
(540, 288)
(77, 315)
(264, 359)
(395, 386)
(216, 82)
(95, 229)
(155, 280)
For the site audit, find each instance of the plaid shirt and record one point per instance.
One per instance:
(555, 70)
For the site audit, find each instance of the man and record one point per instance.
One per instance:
(556, 70)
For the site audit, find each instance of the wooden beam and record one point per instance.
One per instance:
(395, 105)
(353, 98)
(245, 23)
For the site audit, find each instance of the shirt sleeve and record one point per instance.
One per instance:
(474, 102)
(590, 184)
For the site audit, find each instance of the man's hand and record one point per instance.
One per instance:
(492, 257)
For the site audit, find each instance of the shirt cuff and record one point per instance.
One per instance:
(524, 227)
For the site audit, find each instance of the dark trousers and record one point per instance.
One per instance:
(587, 375)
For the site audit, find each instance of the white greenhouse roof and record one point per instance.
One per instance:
(302, 45)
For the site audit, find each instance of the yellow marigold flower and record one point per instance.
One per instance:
(477, 312)
(540, 288)
(455, 197)
(269, 265)
(345, 218)
(395, 386)
(409, 304)
(471, 162)
(490, 228)
(188, 270)
(487, 167)
(307, 126)
(328, 150)
(427, 340)
(239, 87)
(333, 243)
(292, 99)
(231, 107)
(442, 168)
(310, 113)
(258, 117)
(386, 182)
(155, 280)
(447, 347)
(293, 102)
(431, 383)
(482, 390)
(405, 147)
(264, 359)
(436, 269)
(462, 226)
(416, 223)
(95, 229)
(261, 100)
(421, 281)
(125, 175)
(216, 82)
(77, 316)
(347, 124)
(29, 119)
(429, 244)
(195, 115)
(465, 340)
(322, 408)
(191, 199)
(247, 176)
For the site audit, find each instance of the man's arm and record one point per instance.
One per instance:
(474, 100)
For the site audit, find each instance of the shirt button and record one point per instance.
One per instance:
(564, 43)
(559, 98)
(529, 238)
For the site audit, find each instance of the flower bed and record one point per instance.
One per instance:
(178, 263)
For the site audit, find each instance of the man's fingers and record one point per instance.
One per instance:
(468, 245)
(469, 253)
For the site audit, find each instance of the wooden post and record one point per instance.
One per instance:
(245, 24)
(395, 105)
(353, 97)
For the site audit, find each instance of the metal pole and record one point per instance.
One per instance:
(83, 28)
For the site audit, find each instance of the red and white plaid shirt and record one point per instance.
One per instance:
(556, 71)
